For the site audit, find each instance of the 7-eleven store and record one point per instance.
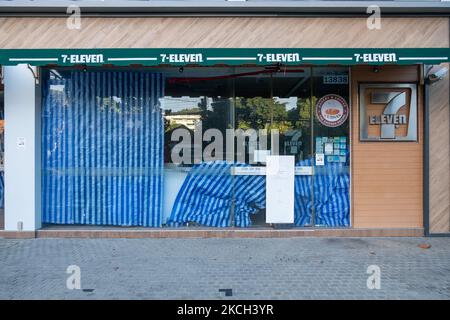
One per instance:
(225, 126)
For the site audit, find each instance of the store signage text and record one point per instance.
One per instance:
(388, 119)
(226, 56)
(278, 57)
(335, 79)
(82, 58)
(376, 57)
(181, 57)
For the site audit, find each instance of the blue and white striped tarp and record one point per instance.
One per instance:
(302, 197)
(206, 196)
(250, 197)
(102, 148)
(332, 195)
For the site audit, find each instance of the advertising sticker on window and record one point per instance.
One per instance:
(332, 110)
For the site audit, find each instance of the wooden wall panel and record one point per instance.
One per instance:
(222, 32)
(440, 156)
(387, 177)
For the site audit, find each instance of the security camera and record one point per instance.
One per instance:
(437, 73)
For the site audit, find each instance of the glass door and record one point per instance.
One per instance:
(305, 113)
(273, 109)
(293, 89)
(255, 113)
(330, 132)
(197, 110)
(223, 122)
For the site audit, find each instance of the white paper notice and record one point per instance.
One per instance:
(320, 159)
(280, 189)
(21, 142)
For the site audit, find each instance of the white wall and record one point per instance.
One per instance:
(22, 163)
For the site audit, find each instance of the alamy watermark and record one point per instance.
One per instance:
(73, 22)
(73, 282)
(374, 20)
(190, 146)
(374, 279)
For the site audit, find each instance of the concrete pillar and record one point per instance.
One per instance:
(22, 149)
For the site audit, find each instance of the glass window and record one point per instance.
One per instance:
(186, 147)
(331, 184)
(197, 107)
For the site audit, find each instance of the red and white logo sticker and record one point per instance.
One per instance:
(332, 110)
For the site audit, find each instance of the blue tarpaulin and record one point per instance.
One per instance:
(327, 192)
(207, 193)
(102, 148)
(206, 196)
(102, 163)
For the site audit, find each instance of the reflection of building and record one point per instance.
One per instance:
(190, 121)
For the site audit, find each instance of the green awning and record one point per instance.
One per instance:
(218, 56)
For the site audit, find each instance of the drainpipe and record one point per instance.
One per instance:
(426, 159)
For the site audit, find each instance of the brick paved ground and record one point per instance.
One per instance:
(296, 268)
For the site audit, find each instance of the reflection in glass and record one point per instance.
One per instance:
(197, 110)
(331, 187)
(207, 131)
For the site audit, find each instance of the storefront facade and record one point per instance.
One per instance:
(177, 123)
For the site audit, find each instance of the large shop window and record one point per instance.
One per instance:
(217, 190)
(102, 142)
(186, 147)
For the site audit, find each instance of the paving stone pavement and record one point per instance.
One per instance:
(293, 268)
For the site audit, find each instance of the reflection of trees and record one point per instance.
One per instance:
(217, 117)
(186, 111)
(300, 117)
(266, 113)
(250, 113)
(169, 127)
(261, 113)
